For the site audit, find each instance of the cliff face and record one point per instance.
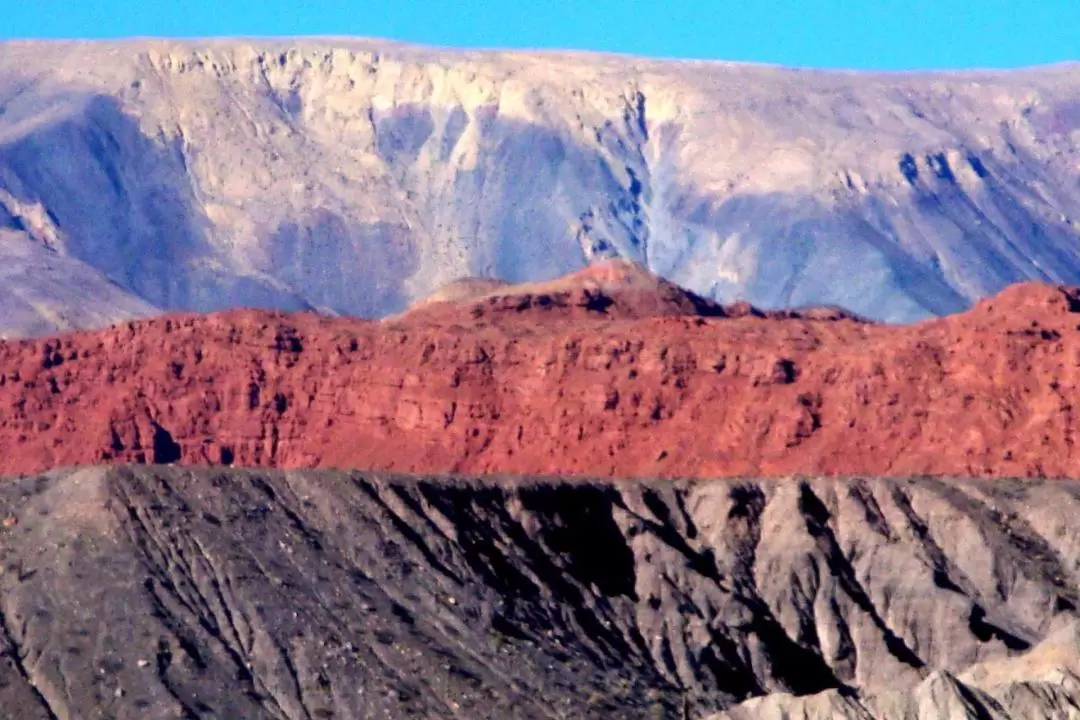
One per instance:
(357, 177)
(610, 372)
(164, 592)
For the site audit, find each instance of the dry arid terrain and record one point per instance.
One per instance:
(135, 592)
(358, 176)
(609, 372)
(546, 589)
(348, 379)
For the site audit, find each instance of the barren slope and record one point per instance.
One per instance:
(44, 292)
(607, 373)
(166, 592)
(359, 176)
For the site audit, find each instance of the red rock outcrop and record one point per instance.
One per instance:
(606, 373)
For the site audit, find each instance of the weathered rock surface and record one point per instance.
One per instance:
(171, 592)
(359, 176)
(1041, 683)
(611, 372)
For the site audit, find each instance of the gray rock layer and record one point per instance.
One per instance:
(356, 177)
(217, 593)
(1043, 683)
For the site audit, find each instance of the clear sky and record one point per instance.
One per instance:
(878, 34)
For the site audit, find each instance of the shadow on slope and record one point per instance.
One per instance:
(354, 269)
(127, 205)
(482, 194)
(933, 242)
(313, 594)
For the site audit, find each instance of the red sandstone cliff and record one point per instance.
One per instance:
(608, 372)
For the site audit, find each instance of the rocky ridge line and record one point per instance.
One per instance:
(357, 176)
(634, 378)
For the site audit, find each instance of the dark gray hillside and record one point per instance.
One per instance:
(173, 593)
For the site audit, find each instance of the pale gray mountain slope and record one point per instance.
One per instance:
(44, 292)
(1042, 683)
(357, 176)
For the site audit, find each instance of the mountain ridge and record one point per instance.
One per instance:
(358, 177)
(578, 380)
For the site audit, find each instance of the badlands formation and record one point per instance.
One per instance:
(161, 592)
(547, 589)
(418, 383)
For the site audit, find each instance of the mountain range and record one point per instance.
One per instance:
(461, 384)
(358, 176)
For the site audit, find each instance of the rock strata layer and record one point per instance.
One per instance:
(610, 372)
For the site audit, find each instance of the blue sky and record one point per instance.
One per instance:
(878, 34)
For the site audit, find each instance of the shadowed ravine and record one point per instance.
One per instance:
(169, 592)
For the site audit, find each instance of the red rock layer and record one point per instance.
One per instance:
(577, 380)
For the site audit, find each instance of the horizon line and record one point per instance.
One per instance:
(534, 51)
